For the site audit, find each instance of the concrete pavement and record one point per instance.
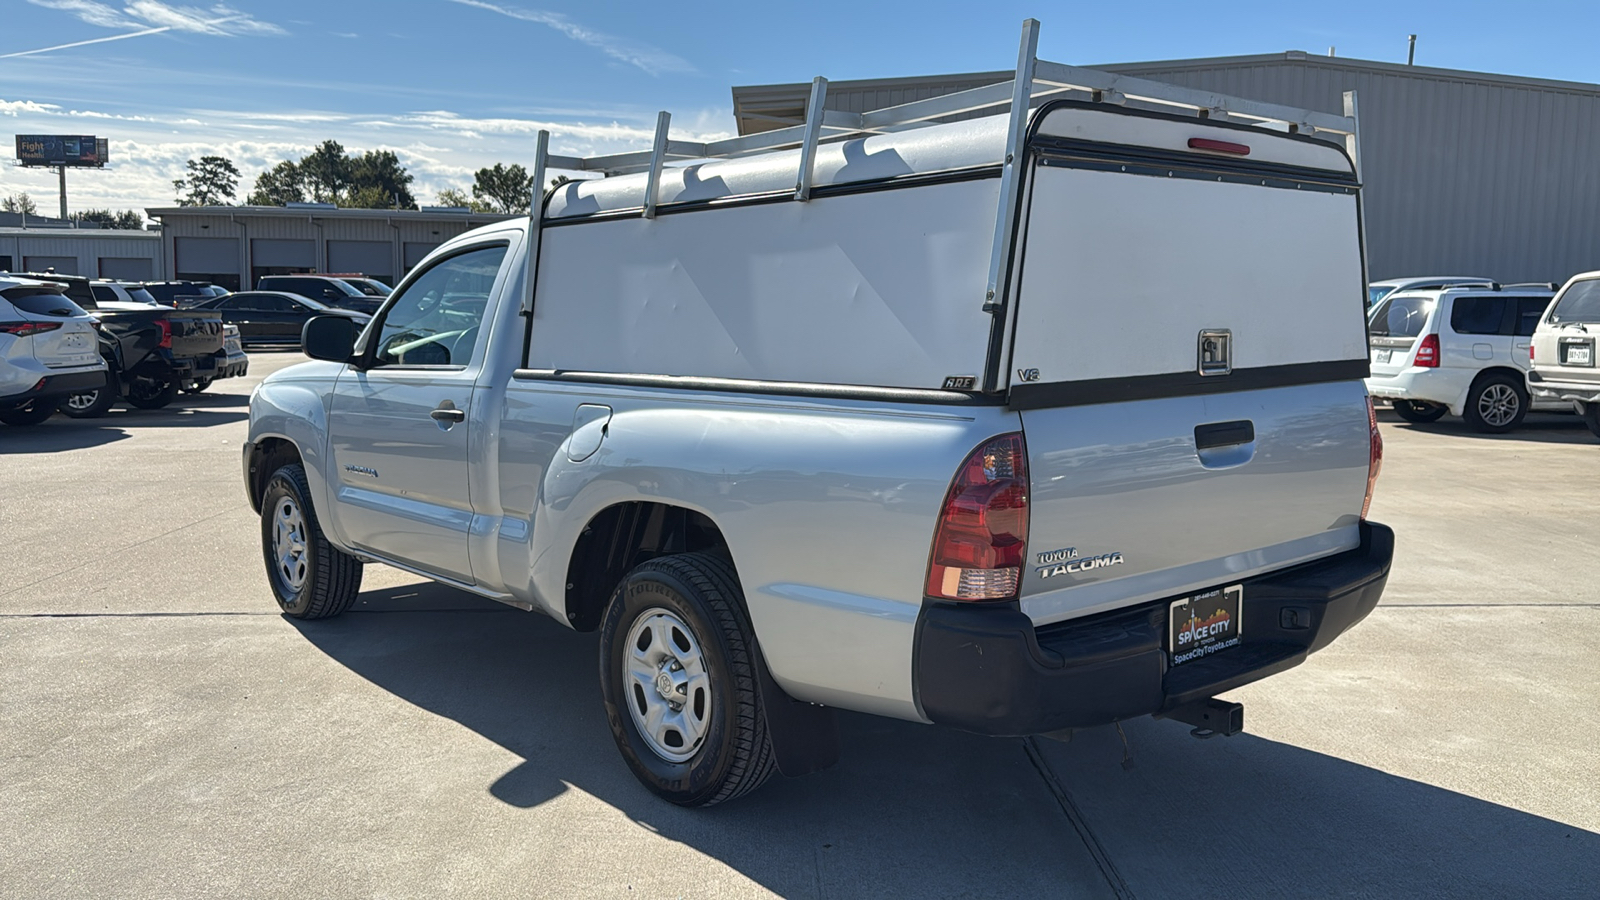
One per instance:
(165, 733)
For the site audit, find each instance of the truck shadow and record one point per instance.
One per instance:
(913, 810)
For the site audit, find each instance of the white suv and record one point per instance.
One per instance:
(1461, 350)
(48, 349)
(1563, 352)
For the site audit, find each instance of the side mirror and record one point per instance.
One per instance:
(332, 338)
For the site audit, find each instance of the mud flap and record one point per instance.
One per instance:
(805, 736)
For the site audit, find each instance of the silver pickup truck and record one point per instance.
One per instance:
(1017, 425)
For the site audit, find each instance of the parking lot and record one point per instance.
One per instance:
(165, 733)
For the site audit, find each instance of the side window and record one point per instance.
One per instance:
(244, 301)
(274, 303)
(102, 293)
(1477, 315)
(1529, 311)
(435, 320)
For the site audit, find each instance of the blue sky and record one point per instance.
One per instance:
(452, 85)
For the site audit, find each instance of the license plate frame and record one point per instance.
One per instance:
(1205, 623)
(1577, 352)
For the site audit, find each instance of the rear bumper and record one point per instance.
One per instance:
(1441, 385)
(1543, 387)
(59, 386)
(989, 670)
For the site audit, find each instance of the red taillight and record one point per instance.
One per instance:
(1374, 455)
(1530, 353)
(28, 329)
(1216, 146)
(166, 333)
(1428, 352)
(981, 542)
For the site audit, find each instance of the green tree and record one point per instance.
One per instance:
(504, 189)
(129, 219)
(212, 181)
(458, 197)
(326, 172)
(378, 174)
(19, 203)
(280, 185)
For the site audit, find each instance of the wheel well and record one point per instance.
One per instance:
(620, 538)
(268, 456)
(1513, 374)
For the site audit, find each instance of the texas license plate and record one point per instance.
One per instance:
(1580, 355)
(1205, 624)
(1381, 357)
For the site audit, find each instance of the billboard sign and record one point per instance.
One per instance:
(76, 150)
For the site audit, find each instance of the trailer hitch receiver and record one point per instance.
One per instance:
(1210, 717)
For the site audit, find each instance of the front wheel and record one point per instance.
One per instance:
(311, 578)
(1418, 413)
(31, 413)
(148, 393)
(1496, 404)
(678, 674)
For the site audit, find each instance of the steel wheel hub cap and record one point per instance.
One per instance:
(289, 544)
(1498, 405)
(668, 689)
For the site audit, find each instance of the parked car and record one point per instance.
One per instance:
(1457, 350)
(121, 292)
(157, 351)
(372, 287)
(180, 294)
(1562, 355)
(325, 289)
(48, 349)
(273, 317)
(233, 364)
(1378, 290)
(779, 479)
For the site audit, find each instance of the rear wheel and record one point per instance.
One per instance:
(148, 393)
(1418, 413)
(89, 404)
(311, 578)
(1496, 404)
(33, 412)
(200, 384)
(1591, 417)
(677, 671)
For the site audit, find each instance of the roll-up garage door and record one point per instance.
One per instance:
(126, 268)
(64, 265)
(273, 252)
(204, 254)
(416, 250)
(374, 259)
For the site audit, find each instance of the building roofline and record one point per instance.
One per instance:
(340, 213)
(1296, 57)
(86, 233)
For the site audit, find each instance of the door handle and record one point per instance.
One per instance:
(1224, 434)
(449, 414)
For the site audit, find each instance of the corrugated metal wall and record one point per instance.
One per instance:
(1467, 173)
(86, 247)
(1487, 178)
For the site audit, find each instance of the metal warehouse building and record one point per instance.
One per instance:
(233, 246)
(96, 253)
(1467, 173)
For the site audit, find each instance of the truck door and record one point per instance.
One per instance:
(398, 430)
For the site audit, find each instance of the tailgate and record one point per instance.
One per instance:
(195, 333)
(1188, 347)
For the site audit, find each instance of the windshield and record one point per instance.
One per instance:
(42, 301)
(1402, 315)
(314, 304)
(1376, 293)
(1578, 303)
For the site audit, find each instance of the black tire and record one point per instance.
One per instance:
(1418, 413)
(89, 404)
(328, 578)
(1591, 418)
(200, 384)
(1496, 404)
(147, 393)
(33, 412)
(734, 755)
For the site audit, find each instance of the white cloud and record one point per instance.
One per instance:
(152, 17)
(651, 59)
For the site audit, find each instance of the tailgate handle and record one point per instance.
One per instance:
(1224, 434)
